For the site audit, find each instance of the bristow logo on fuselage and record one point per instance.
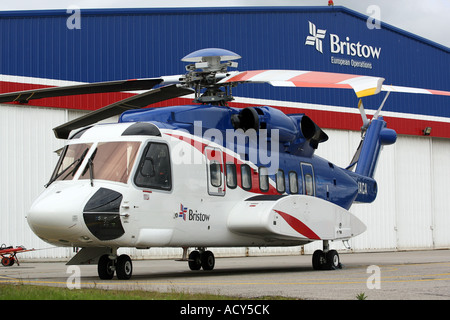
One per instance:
(190, 214)
(182, 213)
(341, 47)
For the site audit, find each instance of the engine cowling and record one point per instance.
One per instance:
(293, 129)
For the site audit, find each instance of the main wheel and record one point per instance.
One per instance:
(318, 260)
(208, 260)
(105, 267)
(194, 262)
(124, 267)
(333, 262)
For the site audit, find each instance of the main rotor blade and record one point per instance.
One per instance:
(88, 88)
(134, 102)
(414, 90)
(362, 85)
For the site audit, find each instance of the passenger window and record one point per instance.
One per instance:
(154, 168)
(231, 175)
(280, 181)
(264, 179)
(246, 177)
(215, 169)
(309, 186)
(293, 182)
(308, 179)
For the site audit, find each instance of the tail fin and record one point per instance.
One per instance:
(375, 137)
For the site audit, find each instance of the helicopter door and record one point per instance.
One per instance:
(215, 171)
(309, 183)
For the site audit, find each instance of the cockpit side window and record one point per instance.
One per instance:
(154, 168)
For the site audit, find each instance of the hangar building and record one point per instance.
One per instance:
(59, 47)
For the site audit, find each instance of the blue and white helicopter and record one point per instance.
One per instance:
(203, 175)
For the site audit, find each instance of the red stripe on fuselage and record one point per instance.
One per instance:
(298, 226)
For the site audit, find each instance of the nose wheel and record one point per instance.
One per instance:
(121, 265)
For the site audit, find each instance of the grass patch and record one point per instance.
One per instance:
(32, 292)
(361, 296)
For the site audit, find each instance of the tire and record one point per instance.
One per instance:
(208, 260)
(124, 267)
(105, 267)
(194, 262)
(318, 260)
(333, 262)
(6, 262)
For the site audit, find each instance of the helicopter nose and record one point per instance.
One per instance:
(56, 215)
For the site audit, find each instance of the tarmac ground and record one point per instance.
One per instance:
(404, 275)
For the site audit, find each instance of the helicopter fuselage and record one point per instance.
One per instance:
(156, 184)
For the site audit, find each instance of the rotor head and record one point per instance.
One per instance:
(208, 67)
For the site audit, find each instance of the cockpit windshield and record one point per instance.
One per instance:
(111, 161)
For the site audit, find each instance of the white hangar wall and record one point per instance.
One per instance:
(410, 212)
(412, 207)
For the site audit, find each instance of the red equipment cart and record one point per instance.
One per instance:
(9, 254)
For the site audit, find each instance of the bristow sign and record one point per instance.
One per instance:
(345, 48)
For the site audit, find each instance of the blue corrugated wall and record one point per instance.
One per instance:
(136, 43)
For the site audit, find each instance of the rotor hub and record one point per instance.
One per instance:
(208, 67)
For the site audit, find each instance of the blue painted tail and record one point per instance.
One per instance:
(366, 159)
(376, 136)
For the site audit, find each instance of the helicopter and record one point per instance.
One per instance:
(204, 175)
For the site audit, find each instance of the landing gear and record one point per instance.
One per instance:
(201, 259)
(333, 262)
(194, 262)
(107, 265)
(326, 259)
(318, 260)
(124, 267)
(208, 260)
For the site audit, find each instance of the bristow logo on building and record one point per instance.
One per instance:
(315, 37)
(338, 46)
